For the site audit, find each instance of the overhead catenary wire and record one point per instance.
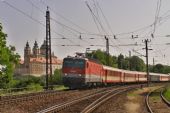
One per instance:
(70, 29)
(97, 20)
(157, 15)
(100, 45)
(125, 33)
(109, 27)
(35, 20)
(63, 17)
(97, 4)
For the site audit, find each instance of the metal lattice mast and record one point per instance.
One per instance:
(48, 50)
(147, 65)
(107, 51)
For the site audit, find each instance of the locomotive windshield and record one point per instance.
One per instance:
(75, 63)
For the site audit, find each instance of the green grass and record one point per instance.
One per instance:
(60, 87)
(33, 88)
(166, 93)
(131, 94)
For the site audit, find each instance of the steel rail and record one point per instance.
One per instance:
(147, 100)
(164, 99)
(104, 98)
(28, 97)
(64, 105)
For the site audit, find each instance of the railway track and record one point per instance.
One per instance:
(155, 102)
(23, 97)
(78, 105)
(103, 99)
(37, 101)
(164, 99)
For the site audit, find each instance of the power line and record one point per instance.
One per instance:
(93, 16)
(106, 22)
(65, 25)
(66, 19)
(72, 29)
(157, 15)
(35, 20)
(25, 14)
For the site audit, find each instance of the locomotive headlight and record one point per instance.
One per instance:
(79, 75)
(65, 74)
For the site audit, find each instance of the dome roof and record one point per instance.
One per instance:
(35, 45)
(43, 46)
(27, 46)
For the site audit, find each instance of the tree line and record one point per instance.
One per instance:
(133, 63)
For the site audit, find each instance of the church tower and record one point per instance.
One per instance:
(43, 48)
(36, 50)
(27, 54)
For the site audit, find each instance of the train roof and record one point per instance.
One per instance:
(111, 68)
(128, 71)
(84, 58)
(158, 74)
(125, 71)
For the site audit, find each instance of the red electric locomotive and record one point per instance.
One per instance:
(80, 72)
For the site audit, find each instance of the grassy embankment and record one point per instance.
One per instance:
(166, 93)
(33, 89)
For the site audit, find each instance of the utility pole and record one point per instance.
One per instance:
(129, 54)
(129, 60)
(153, 63)
(147, 66)
(48, 50)
(107, 51)
(86, 54)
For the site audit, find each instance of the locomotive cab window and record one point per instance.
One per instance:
(76, 63)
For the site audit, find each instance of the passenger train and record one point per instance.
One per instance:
(83, 72)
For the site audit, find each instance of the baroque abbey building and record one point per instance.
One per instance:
(34, 62)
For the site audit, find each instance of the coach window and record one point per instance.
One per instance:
(87, 65)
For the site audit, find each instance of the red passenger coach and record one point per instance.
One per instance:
(134, 76)
(93, 72)
(164, 77)
(142, 77)
(112, 75)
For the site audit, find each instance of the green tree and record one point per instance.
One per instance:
(120, 61)
(101, 57)
(125, 63)
(136, 63)
(57, 77)
(159, 68)
(166, 69)
(25, 81)
(8, 59)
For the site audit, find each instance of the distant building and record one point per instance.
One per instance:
(34, 62)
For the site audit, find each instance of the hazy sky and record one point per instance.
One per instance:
(122, 16)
